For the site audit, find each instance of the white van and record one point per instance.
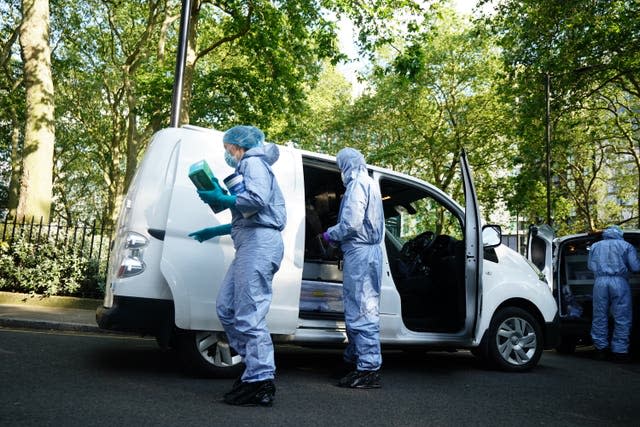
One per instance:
(442, 286)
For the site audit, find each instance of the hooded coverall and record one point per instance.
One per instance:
(360, 231)
(258, 217)
(611, 259)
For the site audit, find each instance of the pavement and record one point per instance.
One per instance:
(49, 313)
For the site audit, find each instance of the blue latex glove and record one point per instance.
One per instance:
(227, 201)
(210, 196)
(217, 197)
(216, 184)
(210, 232)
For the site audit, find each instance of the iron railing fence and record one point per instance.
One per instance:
(89, 241)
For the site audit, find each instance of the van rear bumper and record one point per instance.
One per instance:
(552, 333)
(141, 315)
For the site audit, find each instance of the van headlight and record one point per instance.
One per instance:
(132, 253)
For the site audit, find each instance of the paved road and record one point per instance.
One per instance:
(75, 379)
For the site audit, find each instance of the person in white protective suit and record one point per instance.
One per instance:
(258, 217)
(611, 259)
(360, 231)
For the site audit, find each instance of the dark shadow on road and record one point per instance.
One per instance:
(141, 358)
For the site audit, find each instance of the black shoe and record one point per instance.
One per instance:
(620, 357)
(361, 379)
(601, 354)
(343, 369)
(259, 393)
(236, 384)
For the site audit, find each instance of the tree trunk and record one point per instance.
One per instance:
(113, 176)
(14, 182)
(36, 183)
(132, 140)
(637, 162)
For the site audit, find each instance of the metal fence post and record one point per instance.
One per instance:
(93, 235)
(13, 230)
(39, 229)
(4, 229)
(30, 229)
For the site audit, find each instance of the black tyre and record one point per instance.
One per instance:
(514, 340)
(207, 354)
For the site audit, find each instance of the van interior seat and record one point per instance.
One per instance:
(432, 286)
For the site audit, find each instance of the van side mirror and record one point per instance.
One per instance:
(491, 235)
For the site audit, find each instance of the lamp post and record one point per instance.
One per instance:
(547, 140)
(181, 57)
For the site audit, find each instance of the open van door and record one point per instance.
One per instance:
(194, 271)
(540, 250)
(473, 246)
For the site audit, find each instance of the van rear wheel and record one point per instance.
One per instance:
(514, 340)
(208, 354)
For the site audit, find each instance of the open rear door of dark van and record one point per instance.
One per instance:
(540, 250)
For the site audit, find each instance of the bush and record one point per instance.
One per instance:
(42, 267)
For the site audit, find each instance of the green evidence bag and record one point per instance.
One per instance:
(202, 177)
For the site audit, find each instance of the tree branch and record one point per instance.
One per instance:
(244, 29)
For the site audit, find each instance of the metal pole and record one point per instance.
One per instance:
(548, 142)
(181, 59)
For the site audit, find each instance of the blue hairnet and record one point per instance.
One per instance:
(244, 136)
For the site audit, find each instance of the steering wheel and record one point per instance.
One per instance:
(418, 244)
(439, 247)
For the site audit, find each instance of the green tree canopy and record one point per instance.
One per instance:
(251, 62)
(427, 99)
(589, 50)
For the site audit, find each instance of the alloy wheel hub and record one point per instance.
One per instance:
(516, 341)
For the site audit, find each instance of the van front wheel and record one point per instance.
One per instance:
(514, 340)
(208, 354)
